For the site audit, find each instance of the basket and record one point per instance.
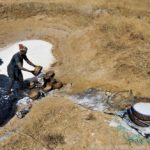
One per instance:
(57, 85)
(49, 75)
(48, 87)
(32, 84)
(34, 94)
(37, 70)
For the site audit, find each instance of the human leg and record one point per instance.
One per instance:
(11, 83)
(20, 81)
(11, 75)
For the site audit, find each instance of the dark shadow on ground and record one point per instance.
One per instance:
(7, 103)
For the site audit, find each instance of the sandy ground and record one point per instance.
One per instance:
(98, 44)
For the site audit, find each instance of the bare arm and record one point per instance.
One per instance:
(22, 68)
(29, 62)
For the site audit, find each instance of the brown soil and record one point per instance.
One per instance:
(98, 44)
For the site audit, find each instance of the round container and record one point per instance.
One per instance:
(136, 120)
(37, 70)
(48, 87)
(57, 85)
(48, 75)
(32, 84)
(34, 94)
(141, 111)
(53, 81)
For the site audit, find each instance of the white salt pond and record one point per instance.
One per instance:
(143, 108)
(39, 52)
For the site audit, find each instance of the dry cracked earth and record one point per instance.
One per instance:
(98, 44)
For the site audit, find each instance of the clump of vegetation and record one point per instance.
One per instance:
(52, 140)
(90, 117)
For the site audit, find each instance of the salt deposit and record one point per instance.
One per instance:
(5, 136)
(39, 52)
(124, 123)
(93, 99)
(24, 101)
(143, 108)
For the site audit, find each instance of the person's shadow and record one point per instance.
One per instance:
(7, 103)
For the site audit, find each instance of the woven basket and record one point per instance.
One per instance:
(37, 70)
(57, 85)
(49, 75)
(32, 84)
(48, 87)
(34, 94)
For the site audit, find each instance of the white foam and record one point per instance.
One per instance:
(39, 52)
(143, 108)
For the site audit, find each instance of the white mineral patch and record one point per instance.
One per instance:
(93, 99)
(120, 123)
(113, 123)
(39, 52)
(143, 108)
(24, 101)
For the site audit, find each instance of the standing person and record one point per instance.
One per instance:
(15, 67)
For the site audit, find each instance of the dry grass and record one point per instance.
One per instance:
(98, 43)
(90, 117)
(61, 125)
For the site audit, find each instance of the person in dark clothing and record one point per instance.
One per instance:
(15, 67)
